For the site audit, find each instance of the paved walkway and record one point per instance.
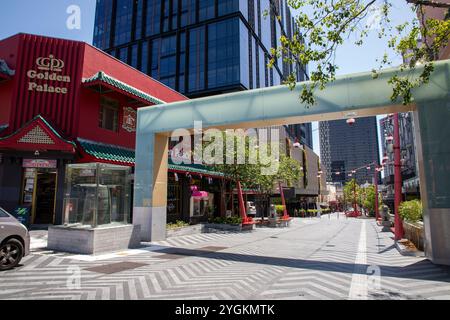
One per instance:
(327, 258)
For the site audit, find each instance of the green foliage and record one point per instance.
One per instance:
(352, 191)
(178, 224)
(227, 220)
(411, 211)
(279, 209)
(325, 25)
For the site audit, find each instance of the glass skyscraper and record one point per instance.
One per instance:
(345, 147)
(201, 47)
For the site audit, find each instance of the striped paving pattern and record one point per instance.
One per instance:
(314, 259)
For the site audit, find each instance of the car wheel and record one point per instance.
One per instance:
(11, 253)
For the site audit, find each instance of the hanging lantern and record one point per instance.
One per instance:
(297, 144)
(389, 138)
(351, 121)
(368, 168)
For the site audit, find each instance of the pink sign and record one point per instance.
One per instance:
(39, 163)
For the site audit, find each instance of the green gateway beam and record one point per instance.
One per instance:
(350, 96)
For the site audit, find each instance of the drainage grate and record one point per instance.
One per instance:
(116, 267)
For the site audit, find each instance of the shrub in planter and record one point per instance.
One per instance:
(178, 224)
(411, 210)
(229, 220)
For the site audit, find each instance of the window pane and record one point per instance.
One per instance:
(109, 111)
(228, 6)
(223, 53)
(124, 16)
(197, 59)
(102, 29)
(153, 17)
(139, 10)
(134, 56)
(206, 9)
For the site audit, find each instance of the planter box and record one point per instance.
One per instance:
(414, 232)
(93, 240)
(185, 231)
(279, 223)
(224, 227)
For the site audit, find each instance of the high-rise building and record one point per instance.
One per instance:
(201, 47)
(345, 148)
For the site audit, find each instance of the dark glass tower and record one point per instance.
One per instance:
(201, 47)
(346, 147)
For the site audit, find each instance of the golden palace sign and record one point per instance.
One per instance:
(48, 69)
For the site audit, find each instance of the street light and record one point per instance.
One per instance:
(351, 121)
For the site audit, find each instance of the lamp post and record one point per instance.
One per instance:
(397, 180)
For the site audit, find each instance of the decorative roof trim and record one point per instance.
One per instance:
(107, 79)
(4, 68)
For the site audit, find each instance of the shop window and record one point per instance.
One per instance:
(109, 114)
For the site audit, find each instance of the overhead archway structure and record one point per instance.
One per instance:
(354, 95)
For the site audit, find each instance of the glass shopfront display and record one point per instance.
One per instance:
(97, 194)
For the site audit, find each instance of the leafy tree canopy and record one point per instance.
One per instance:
(324, 25)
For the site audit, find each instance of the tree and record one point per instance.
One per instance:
(352, 192)
(252, 176)
(324, 25)
(369, 200)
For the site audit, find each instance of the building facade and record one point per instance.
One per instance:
(64, 102)
(409, 169)
(345, 148)
(201, 48)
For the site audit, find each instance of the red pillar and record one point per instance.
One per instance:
(242, 209)
(397, 180)
(283, 201)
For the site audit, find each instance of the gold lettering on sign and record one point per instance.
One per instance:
(47, 70)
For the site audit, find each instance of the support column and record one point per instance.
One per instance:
(431, 122)
(150, 197)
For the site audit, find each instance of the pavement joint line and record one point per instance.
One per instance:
(359, 284)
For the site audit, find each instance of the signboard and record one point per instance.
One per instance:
(39, 163)
(23, 215)
(289, 193)
(129, 119)
(48, 69)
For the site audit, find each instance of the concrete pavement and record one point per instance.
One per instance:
(327, 258)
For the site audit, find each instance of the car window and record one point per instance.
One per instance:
(3, 214)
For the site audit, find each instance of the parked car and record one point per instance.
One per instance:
(14, 241)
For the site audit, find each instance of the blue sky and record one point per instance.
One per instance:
(48, 17)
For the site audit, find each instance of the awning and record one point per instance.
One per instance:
(194, 168)
(100, 152)
(102, 82)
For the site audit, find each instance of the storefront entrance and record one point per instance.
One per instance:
(44, 210)
(39, 193)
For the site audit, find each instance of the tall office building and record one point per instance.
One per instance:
(201, 47)
(346, 147)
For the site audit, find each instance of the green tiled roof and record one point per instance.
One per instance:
(114, 153)
(107, 152)
(103, 77)
(195, 168)
(4, 68)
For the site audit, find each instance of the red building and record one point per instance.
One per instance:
(64, 102)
